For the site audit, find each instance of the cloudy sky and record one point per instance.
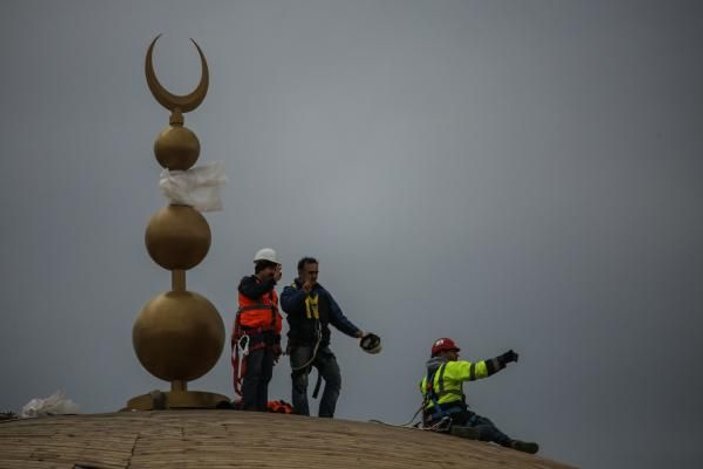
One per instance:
(511, 174)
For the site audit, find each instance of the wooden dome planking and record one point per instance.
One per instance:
(227, 439)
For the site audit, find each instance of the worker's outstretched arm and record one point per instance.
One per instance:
(250, 288)
(340, 321)
(470, 371)
(498, 363)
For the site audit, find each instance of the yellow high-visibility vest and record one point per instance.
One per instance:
(447, 381)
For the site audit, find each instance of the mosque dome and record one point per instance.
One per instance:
(228, 439)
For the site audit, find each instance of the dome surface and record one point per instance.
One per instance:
(227, 439)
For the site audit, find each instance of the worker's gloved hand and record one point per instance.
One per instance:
(508, 357)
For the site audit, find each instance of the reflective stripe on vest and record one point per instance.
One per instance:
(435, 391)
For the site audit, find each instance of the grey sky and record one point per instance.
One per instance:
(517, 174)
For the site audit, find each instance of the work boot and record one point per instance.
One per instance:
(469, 433)
(524, 446)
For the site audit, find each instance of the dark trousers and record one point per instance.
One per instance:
(327, 367)
(487, 430)
(255, 387)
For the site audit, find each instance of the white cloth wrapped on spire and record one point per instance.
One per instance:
(198, 187)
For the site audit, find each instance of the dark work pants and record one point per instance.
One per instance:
(487, 430)
(327, 367)
(255, 388)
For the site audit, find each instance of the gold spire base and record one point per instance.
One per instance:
(158, 400)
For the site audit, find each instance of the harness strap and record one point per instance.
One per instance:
(244, 341)
(438, 411)
(317, 386)
(441, 369)
(240, 350)
(256, 306)
(312, 306)
(272, 307)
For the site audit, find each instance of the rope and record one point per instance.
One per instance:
(318, 333)
(441, 426)
(409, 423)
(240, 350)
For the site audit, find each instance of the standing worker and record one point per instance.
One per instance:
(444, 402)
(310, 309)
(256, 338)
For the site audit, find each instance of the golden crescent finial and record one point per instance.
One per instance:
(184, 103)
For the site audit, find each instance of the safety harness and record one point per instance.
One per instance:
(246, 340)
(438, 413)
(312, 312)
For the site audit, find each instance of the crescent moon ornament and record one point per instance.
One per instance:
(173, 102)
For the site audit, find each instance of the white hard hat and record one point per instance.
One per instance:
(266, 254)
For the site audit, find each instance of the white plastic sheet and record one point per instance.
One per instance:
(56, 404)
(198, 187)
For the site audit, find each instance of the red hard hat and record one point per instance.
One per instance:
(443, 345)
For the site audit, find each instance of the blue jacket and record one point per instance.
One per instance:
(306, 312)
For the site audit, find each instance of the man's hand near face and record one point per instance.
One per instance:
(307, 275)
(307, 283)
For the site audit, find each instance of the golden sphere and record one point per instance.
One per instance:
(177, 147)
(178, 335)
(177, 237)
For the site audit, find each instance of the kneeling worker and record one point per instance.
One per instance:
(444, 401)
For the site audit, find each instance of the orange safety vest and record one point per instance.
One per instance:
(261, 313)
